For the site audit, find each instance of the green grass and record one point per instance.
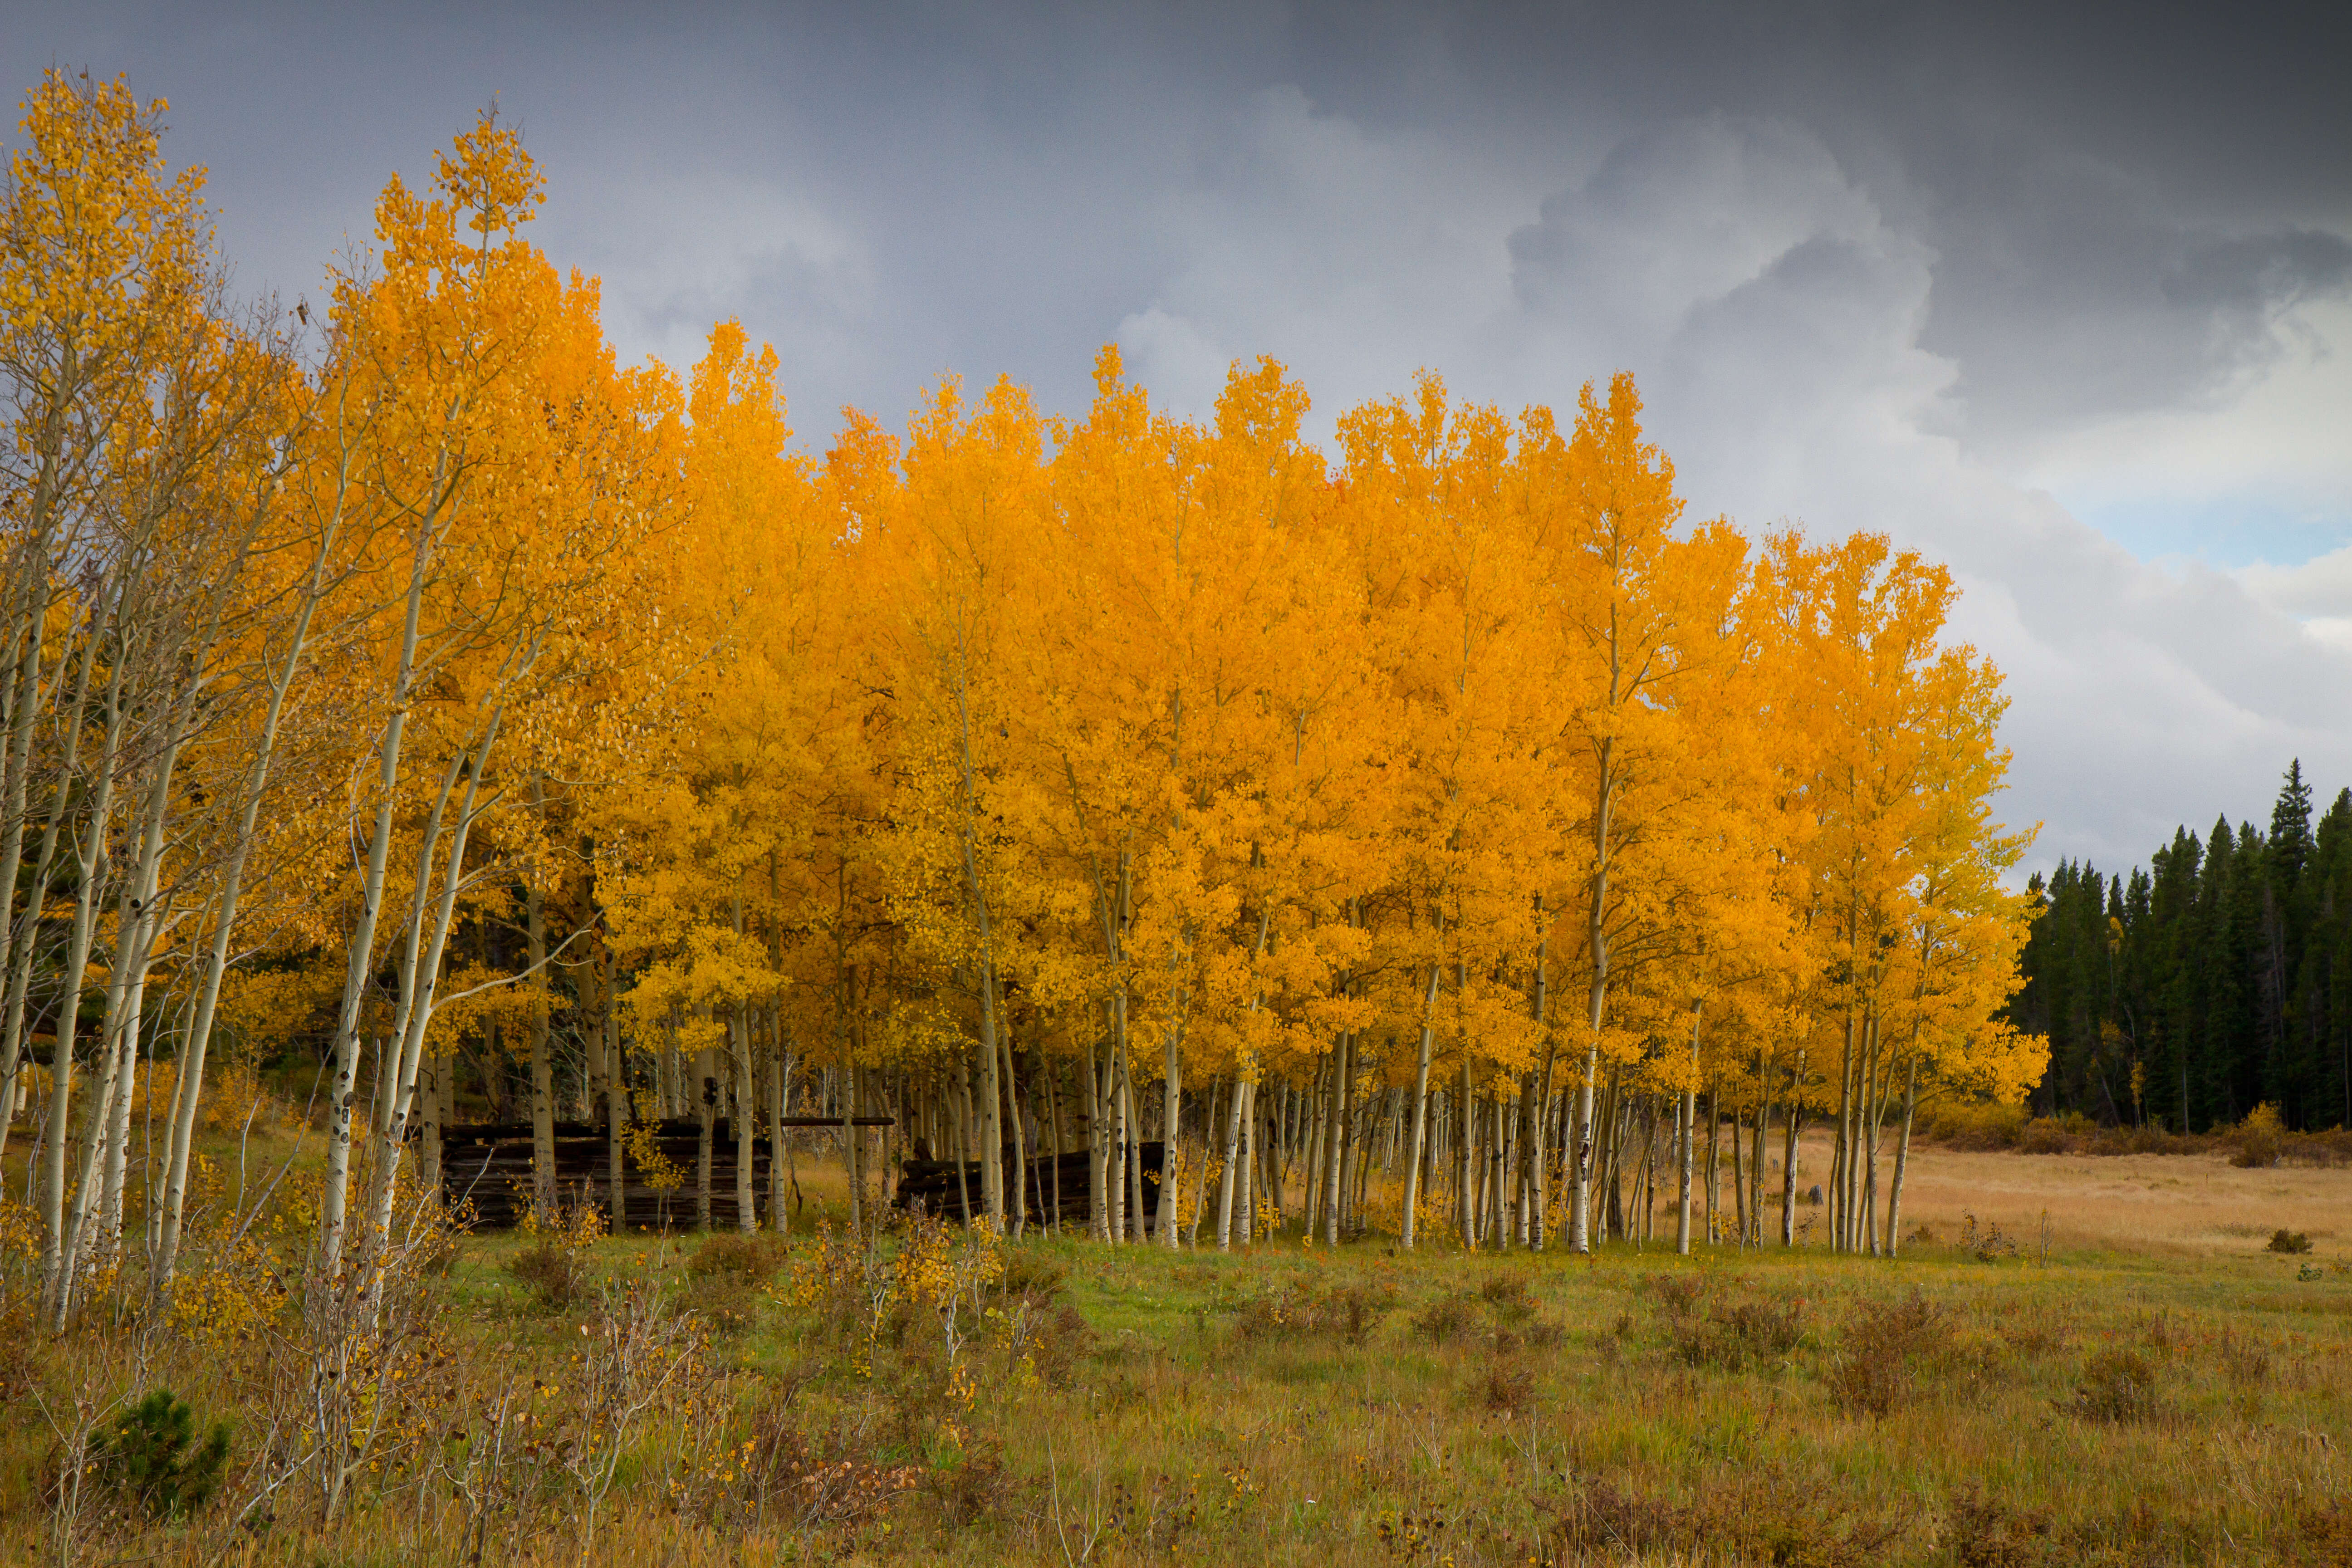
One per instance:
(1630, 1407)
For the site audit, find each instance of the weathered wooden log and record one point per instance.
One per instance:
(931, 1186)
(486, 1175)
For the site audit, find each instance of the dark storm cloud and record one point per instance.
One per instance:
(1877, 266)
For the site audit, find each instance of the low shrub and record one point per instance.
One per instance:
(1443, 1320)
(813, 1475)
(1506, 1389)
(1874, 1373)
(1986, 1532)
(754, 1259)
(1769, 1517)
(2284, 1240)
(1747, 1333)
(1350, 1312)
(728, 1304)
(1030, 1274)
(1051, 1341)
(556, 1275)
(2117, 1388)
(1506, 1296)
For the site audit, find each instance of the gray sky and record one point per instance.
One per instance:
(2061, 295)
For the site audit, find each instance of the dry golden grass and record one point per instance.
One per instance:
(2178, 1204)
(2161, 1391)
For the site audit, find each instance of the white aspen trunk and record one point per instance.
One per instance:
(257, 781)
(334, 1193)
(747, 1212)
(1017, 1200)
(1098, 1134)
(1246, 1193)
(703, 1111)
(108, 1242)
(1335, 1137)
(1685, 1126)
(1686, 1119)
(1794, 1120)
(360, 960)
(1229, 1177)
(1116, 1160)
(1171, 1117)
(1872, 1116)
(26, 942)
(1466, 1210)
(93, 874)
(617, 1114)
(1714, 1165)
(1420, 1109)
(420, 979)
(543, 1197)
(1902, 1154)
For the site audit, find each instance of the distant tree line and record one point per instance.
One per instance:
(2217, 979)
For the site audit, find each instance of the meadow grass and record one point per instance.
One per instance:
(2178, 1399)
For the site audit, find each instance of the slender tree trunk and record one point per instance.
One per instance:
(1248, 1193)
(543, 1061)
(747, 1212)
(1229, 1178)
(1795, 1120)
(1409, 1224)
(1685, 1126)
(1467, 1211)
(705, 1092)
(1335, 1139)
(1902, 1156)
(779, 1106)
(1017, 1200)
(1131, 1138)
(335, 1192)
(93, 872)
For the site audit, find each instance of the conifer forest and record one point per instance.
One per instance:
(585, 984)
(2213, 980)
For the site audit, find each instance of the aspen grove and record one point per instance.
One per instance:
(1444, 835)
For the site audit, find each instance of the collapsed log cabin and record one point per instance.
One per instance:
(1055, 1187)
(486, 1177)
(486, 1171)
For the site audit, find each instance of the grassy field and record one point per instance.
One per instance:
(2149, 1385)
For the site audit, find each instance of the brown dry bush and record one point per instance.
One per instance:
(1679, 1293)
(1765, 1516)
(974, 1487)
(1506, 1296)
(2117, 1388)
(1982, 1530)
(753, 1259)
(1874, 1374)
(1443, 1320)
(1348, 1312)
(555, 1275)
(1030, 1274)
(814, 1473)
(1506, 1389)
(2288, 1241)
(2033, 1332)
(728, 1306)
(1750, 1333)
(1050, 1341)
